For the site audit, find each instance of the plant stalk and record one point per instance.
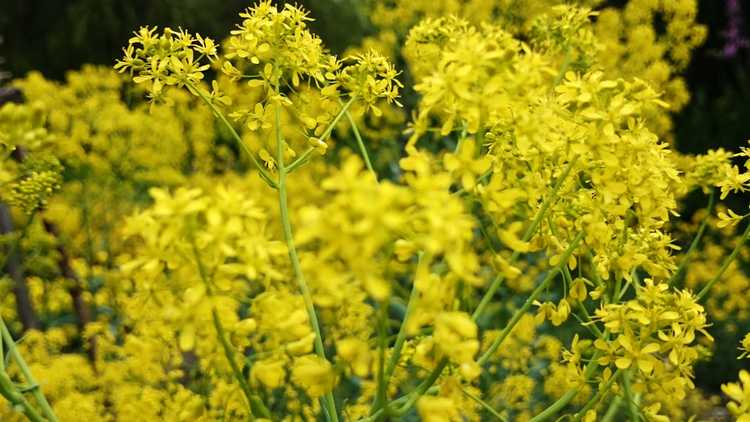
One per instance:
(254, 403)
(530, 300)
(328, 400)
(725, 265)
(262, 171)
(361, 144)
(598, 396)
(694, 244)
(563, 401)
(36, 390)
(546, 204)
(630, 397)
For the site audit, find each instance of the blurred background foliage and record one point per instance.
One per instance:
(54, 36)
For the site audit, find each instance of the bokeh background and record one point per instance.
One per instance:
(54, 36)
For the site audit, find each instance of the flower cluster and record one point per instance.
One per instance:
(278, 46)
(172, 58)
(655, 335)
(38, 180)
(27, 183)
(740, 395)
(371, 77)
(459, 71)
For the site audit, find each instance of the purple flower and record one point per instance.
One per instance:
(734, 34)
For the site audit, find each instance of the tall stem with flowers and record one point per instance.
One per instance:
(275, 51)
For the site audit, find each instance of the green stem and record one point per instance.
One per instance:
(591, 326)
(380, 395)
(328, 400)
(336, 119)
(546, 204)
(461, 138)
(485, 405)
(530, 300)
(263, 173)
(361, 144)
(632, 405)
(392, 404)
(598, 396)
(395, 354)
(696, 240)
(555, 407)
(423, 387)
(596, 331)
(255, 405)
(617, 290)
(728, 260)
(435, 374)
(17, 400)
(563, 401)
(300, 161)
(612, 410)
(594, 273)
(400, 339)
(228, 352)
(36, 391)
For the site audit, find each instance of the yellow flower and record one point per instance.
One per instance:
(745, 346)
(578, 289)
(739, 393)
(314, 374)
(270, 373)
(642, 357)
(356, 353)
(466, 165)
(456, 336)
(510, 238)
(438, 409)
(729, 219)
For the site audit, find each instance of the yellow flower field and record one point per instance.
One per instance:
(473, 215)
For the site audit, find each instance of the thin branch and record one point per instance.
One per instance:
(13, 266)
